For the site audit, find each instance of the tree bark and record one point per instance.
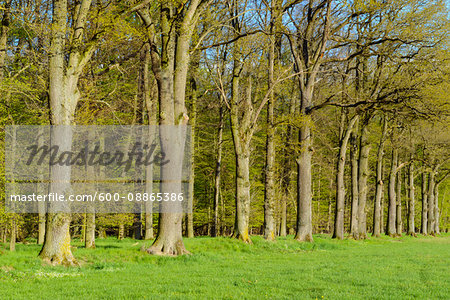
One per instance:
(304, 197)
(5, 23)
(121, 232)
(242, 150)
(399, 225)
(424, 229)
(89, 240)
(391, 230)
(13, 234)
(287, 170)
(151, 106)
(363, 174)
(354, 183)
(340, 186)
(193, 118)
(170, 66)
(90, 231)
(64, 95)
(437, 214)
(217, 176)
(411, 206)
(377, 220)
(269, 188)
(431, 205)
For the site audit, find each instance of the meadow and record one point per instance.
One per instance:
(382, 268)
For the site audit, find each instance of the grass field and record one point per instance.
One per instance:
(402, 268)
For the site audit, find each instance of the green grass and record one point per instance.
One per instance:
(401, 268)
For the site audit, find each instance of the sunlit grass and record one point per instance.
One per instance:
(224, 268)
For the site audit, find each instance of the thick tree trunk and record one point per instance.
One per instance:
(398, 223)
(64, 96)
(169, 240)
(304, 198)
(340, 186)
(411, 206)
(56, 249)
(170, 69)
(424, 229)
(354, 184)
(363, 174)
(242, 195)
(240, 119)
(377, 220)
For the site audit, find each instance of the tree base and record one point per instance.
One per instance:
(60, 259)
(270, 236)
(166, 248)
(242, 237)
(304, 238)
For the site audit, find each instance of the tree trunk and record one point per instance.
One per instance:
(151, 106)
(64, 96)
(269, 188)
(437, 214)
(240, 119)
(13, 234)
(121, 233)
(304, 198)
(90, 231)
(149, 189)
(382, 208)
(363, 174)
(377, 220)
(2, 234)
(287, 170)
(4, 37)
(424, 220)
(340, 186)
(431, 206)
(170, 68)
(217, 176)
(242, 195)
(354, 184)
(41, 223)
(411, 206)
(399, 221)
(391, 230)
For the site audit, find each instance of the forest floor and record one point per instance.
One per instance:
(381, 268)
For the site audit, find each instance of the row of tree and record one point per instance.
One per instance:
(276, 92)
